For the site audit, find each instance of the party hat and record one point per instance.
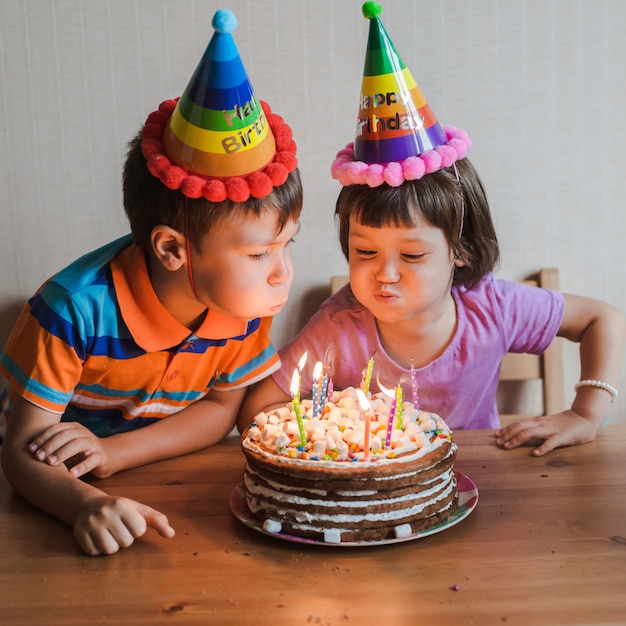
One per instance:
(398, 136)
(218, 140)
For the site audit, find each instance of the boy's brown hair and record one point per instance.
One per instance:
(458, 207)
(149, 203)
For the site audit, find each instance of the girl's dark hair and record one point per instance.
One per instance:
(149, 203)
(438, 197)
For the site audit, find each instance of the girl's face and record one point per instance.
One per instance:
(244, 268)
(400, 273)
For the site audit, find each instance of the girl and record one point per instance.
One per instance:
(422, 296)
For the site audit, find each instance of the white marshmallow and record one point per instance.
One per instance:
(261, 419)
(332, 535)
(272, 526)
(319, 448)
(403, 530)
(254, 433)
(282, 441)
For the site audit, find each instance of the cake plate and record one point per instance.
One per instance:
(468, 499)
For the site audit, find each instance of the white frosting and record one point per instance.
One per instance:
(360, 509)
(338, 434)
(312, 527)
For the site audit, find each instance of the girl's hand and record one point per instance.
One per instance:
(558, 430)
(109, 523)
(75, 445)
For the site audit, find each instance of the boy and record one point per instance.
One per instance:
(142, 350)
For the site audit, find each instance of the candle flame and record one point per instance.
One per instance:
(363, 401)
(385, 390)
(302, 361)
(317, 370)
(295, 379)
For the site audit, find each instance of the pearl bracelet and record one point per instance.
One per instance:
(600, 384)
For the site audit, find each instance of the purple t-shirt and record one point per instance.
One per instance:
(495, 317)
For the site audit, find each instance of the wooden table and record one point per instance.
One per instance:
(545, 545)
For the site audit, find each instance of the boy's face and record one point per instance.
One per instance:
(400, 273)
(244, 268)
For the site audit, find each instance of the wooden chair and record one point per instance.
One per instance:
(520, 373)
(529, 384)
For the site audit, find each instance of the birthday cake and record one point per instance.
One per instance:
(349, 474)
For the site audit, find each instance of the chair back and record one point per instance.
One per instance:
(533, 384)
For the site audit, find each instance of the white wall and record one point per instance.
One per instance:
(538, 84)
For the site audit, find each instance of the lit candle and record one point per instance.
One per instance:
(301, 363)
(416, 400)
(317, 372)
(368, 374)
(295, 393)
(365, 405)
(392, 412)
(324, 390)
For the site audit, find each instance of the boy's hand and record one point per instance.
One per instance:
(72, 443)
(558, 430)
(109, 523)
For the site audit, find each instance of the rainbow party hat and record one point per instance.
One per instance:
(218, 140)
(398, 137)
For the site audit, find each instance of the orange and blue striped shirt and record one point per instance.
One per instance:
(96, 345)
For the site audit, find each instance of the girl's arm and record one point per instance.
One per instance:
(600, 329)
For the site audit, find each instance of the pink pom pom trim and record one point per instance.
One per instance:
(239, 189)
(350, 172)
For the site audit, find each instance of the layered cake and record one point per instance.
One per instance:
(349, 473)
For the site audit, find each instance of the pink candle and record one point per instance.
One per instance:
(392, 414)
(416, 400)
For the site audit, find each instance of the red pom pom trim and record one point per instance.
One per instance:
(238, 189)
(214, 191)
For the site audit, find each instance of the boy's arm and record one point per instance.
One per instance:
(197, 426)
(101, 523)
(264, 395)
(601, 331)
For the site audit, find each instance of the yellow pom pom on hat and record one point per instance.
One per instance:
(218, 140)
(398, 136)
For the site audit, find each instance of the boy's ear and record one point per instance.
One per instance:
(169, 247)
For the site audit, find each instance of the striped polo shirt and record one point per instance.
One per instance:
(96, 345)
